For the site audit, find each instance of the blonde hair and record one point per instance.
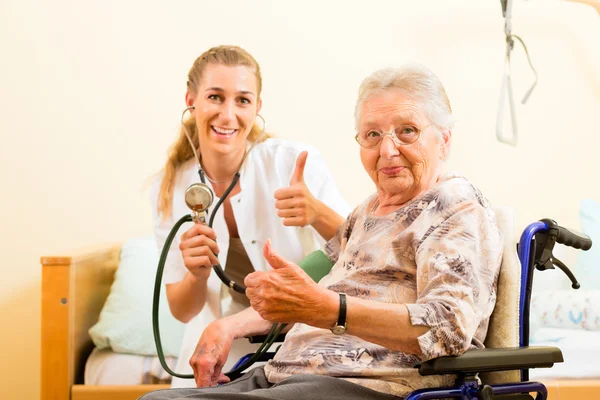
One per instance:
(418, 82)
(180, 151)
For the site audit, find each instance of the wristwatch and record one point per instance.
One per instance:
(340, 327)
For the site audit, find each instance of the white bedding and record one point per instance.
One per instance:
(580, 349)
(105, 367)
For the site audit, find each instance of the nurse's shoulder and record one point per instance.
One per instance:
(281, 154)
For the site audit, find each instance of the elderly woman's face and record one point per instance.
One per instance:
(401, 170)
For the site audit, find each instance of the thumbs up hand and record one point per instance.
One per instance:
(298, 176)
(287, 294)
(295, 203)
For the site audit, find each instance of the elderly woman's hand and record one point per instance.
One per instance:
(287, 294)
(296, 204)
(211, 354)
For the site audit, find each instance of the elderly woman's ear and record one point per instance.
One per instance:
(445, 142)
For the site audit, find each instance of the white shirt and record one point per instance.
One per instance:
(269, 166)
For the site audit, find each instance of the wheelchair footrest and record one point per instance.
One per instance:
(486, 360)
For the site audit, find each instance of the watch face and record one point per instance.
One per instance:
(338, 329)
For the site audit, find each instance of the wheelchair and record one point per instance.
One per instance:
(501, 370)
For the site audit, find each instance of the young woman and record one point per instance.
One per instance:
(285, 193)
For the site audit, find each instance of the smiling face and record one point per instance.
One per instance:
(400, 171)
(226, 103)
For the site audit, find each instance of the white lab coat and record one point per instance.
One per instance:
(268, 167)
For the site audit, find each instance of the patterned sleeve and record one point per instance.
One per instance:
(337, 243)
(458, 260)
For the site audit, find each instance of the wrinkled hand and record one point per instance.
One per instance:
(287, 294)
(198, 247)
(296, 204)
(211, 354)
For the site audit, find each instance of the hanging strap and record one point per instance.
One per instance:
(507, 82)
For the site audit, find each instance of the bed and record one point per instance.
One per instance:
(75, 287)
(578, 377)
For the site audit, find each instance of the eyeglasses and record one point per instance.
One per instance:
(402, 135)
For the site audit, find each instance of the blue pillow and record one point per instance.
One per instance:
(587, 269)
(125, 322)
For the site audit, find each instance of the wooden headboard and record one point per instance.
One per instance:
(74, 289)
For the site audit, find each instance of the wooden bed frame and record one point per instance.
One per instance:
(74, 289)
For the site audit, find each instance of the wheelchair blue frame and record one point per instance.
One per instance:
(526, 258)
(472, 389)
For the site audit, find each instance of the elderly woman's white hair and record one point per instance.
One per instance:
(418, 82)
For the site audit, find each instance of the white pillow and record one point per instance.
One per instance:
(569, 309)
(125, 322)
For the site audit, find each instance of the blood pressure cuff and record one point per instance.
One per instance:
(316, 265)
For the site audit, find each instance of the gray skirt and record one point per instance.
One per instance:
(254, 386)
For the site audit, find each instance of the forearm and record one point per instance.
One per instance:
(246, 323)
(187, 297)
(327, 221)
(386, 324)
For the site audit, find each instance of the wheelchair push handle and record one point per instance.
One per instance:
(573, 239)
(566, 236)
(550, 234)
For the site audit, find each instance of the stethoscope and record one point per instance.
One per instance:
(199, 197)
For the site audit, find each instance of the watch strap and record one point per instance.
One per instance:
(342, 315)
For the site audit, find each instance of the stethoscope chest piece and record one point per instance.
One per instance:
(198, 197)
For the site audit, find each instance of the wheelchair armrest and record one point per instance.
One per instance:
(487, 360)
(261, 338)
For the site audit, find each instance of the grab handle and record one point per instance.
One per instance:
(573, 239)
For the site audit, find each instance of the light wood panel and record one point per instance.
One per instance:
(74, 288)
(571, 389)
(92, 392)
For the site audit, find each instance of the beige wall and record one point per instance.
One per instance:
(91, 94)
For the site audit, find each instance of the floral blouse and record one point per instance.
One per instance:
(439, 256)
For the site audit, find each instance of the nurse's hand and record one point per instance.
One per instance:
(198, 247)
(296, 204)
(211, 354)
(287, 294)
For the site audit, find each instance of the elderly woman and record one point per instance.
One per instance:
(415, 272)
